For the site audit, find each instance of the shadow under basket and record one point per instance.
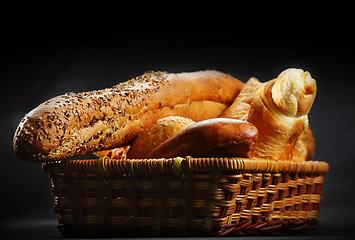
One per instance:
(185, 196)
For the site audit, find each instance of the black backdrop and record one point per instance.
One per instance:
(38, 66)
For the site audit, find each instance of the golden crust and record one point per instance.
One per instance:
(240, 107)
(308, 139)
(299, 152)
(161, 131)
(276, 112)
(78, 123)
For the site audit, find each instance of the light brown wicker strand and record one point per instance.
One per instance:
(189, 165)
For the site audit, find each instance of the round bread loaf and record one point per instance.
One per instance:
(217, 137)
(161, 131)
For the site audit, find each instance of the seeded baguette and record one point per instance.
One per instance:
(79, 123)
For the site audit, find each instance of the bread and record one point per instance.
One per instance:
(279, 111)
(78, 123)
(161, 131)
(240, 107)
(308, 139)
(218, 137)
(299, 151)
(305, 146)
(116, 153)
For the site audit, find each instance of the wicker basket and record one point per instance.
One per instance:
(185, 196)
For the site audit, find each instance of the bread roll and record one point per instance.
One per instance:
(279, 111)
(218, 137)
(161, 131)
(78, 123)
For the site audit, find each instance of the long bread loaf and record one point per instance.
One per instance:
(78, 123)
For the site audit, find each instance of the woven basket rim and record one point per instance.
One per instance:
(182, 166)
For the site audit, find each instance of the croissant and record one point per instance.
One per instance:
(241, 105)
(279, 111)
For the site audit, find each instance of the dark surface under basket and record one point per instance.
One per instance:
(185, 196)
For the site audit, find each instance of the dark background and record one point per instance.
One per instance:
(36, 66)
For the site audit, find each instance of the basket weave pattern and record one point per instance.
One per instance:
(190, 196)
